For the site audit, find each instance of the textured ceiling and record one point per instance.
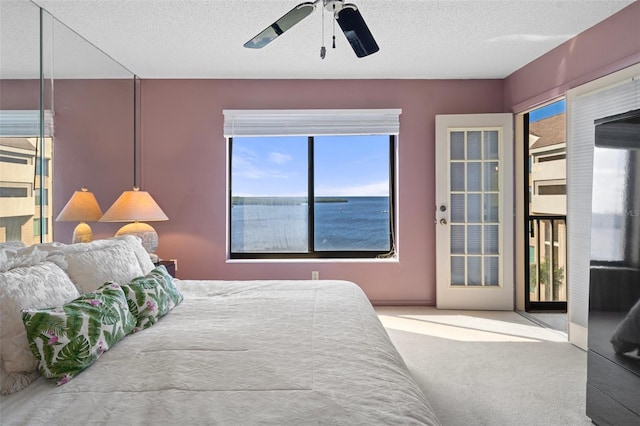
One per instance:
(432, 39)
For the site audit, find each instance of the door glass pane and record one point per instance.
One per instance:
(545, 168)
(457, 270)
(491, 239)
(491, 271)
(491, 176)
(474, 265)
(491, 213)
(491, 145)
(457, 208)
(474, 177)
(474, 208)
(457, 239)
(457, 145)
(457, 176)
(474, 145)
(474, 239)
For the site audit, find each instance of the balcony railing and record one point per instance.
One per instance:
(547, 258)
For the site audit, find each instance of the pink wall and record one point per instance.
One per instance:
(610, 46)
(184, 168)
(19, 94)
(93, 146)
(183, 164)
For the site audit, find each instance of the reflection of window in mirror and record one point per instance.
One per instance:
(608, 224)
(26, 187)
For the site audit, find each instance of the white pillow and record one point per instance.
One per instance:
(90, 269)
(11, 245)
(36, 286)
(131, 241)
(29, 256)
(141, 253)
(9, 250)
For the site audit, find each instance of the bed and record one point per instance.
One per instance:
(241, 352)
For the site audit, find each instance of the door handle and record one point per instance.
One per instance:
(443, 221)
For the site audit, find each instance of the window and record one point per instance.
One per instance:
(551, 187)
(39, 194)
(348, 177)
(38, 167)
(551, 158)
(39, 226)
(14, 160)
(13, 192)
(319, 195)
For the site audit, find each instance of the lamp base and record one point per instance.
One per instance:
(82, 233)
(145, 232)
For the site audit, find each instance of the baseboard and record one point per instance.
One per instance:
(403, 303)
(578, 335)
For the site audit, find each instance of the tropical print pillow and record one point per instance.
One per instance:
(69, 338)
(151, 297)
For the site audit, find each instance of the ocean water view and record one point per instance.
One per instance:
(280, 224)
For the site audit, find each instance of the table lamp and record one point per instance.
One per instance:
(82, 207)
(136, 206)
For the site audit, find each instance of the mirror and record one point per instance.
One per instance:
(66, 121)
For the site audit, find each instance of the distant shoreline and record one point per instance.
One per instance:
(287, 201)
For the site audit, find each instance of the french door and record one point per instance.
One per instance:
(474, 212)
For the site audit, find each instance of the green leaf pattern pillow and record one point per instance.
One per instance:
(151, 297)
(68, 339)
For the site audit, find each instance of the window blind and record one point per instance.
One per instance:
(583, 110)
(24, 123)
(311, 122)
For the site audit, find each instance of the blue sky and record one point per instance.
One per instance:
(344, 166)
(547, 111)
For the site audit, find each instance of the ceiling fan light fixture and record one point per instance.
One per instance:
(333, 5)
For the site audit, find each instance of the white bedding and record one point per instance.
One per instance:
(241, 352)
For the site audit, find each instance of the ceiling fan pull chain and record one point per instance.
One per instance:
(323, 50)
(334, 25)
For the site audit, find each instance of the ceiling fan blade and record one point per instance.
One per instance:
(287, 21)
(356, 31)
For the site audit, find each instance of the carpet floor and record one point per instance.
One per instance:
(490, 367)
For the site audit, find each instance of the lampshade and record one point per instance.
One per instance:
(136, 206)
(82, 207)
(133, 206)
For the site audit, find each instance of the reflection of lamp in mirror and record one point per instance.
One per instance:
(82, 207)
(136, 206)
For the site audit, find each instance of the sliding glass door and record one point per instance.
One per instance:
(545, 208)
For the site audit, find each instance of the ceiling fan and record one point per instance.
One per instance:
(346, 14)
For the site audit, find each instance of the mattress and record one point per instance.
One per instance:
(241, 352)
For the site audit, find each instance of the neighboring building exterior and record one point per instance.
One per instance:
(547, 151)
(20, 195)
